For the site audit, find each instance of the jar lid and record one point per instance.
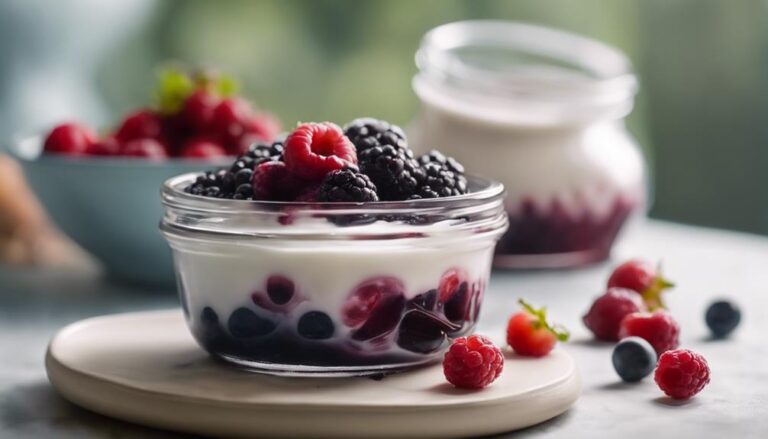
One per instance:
(509, 72)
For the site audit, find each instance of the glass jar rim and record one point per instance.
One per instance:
(173, 195)
(476, 214)
(560, 74)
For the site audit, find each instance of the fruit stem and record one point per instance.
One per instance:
(559, 331)
(652, 296)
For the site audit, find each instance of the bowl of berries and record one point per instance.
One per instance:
(101, 190)
(335, 252)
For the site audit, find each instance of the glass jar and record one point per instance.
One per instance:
(293, 288)
(541, 111)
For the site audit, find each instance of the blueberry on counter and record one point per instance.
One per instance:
(634, 359)
(722, 317)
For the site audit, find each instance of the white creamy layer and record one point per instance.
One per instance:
(223, 275)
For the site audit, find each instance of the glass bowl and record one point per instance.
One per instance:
(331, 289)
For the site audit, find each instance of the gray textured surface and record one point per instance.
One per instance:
(705, 263)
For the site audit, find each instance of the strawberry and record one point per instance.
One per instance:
(529, 333)
(640, 276)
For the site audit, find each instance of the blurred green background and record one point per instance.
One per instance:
(703, 65)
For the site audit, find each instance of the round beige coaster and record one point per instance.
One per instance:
(146, 368)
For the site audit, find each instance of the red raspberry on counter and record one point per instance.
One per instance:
(70, 139)
(642, 277)
(605, 316)
(682, 373)
(529, 333)
(314, 149)
(657, 328)
(472, 362)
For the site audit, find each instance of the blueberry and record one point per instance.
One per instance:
(280, 289)
(316, 325)
(634, 359)
(243, 176)
(722, 318)
(244, 323)
(420, 333)
(426, 301)
(209, 317)
(245, 190)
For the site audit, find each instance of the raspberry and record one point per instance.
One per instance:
(642, 277)
(142, 124)
(529, 333)
(472, 362)
(393, 171)
(347, 185)
(605, 315)
(273, 181)
(657, 328)
(69, 138)
(150, 149)
(367, 132)
(314, 149)
(681, 373)
(201, 148)
(228, 121)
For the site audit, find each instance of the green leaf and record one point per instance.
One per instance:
(559, 331)
(172, 89)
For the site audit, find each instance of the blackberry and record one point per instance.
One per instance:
(449, 163)
(394, 171)
(347, 185)
(439, 180)
(367, 132)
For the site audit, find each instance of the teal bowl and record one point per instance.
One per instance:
(109, 206)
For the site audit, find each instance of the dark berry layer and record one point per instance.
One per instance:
(376, 325)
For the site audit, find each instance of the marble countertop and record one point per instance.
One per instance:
(706, 264)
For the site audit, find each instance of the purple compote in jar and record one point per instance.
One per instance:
(541, 111)
(331, 289)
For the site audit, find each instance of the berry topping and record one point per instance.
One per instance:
(316, 325)
(147, 148)
(634, 359)
(203, 149)
(657, 328)
(244, 323)
(681, 373)
(722, 317)
(422, 332)
(347, 185)
(642, 277)
(273, 181)
(393, 171)
(529, 333)
(436, 180)
(367, 132)
(472, 362)
(280, 289)
(142, 124)
(607, 311)
(70, 139)
(314, 149)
